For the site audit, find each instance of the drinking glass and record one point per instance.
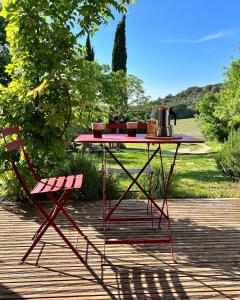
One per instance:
(151, 128)
(132, 128)
(97, 129)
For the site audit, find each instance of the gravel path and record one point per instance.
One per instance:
(203, 149)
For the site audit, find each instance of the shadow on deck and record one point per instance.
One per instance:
(206, 242)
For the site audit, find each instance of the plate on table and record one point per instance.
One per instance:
(173, 137)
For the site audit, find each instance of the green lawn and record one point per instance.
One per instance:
(188, 127)
(195, 176)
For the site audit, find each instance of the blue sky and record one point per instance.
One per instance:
(175, 44)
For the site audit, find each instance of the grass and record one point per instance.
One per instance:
(188, 127)
(195, 176)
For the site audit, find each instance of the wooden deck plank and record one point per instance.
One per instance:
(206, 242)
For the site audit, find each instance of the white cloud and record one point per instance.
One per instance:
(209, 37)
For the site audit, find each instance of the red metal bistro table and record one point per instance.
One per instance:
(106, 141)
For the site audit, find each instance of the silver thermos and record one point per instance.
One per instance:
(164, 127)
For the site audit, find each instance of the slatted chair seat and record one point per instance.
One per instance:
(131, 171)
(58, 183)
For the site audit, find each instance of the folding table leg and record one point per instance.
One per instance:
(134, 181)
(104, 204)
(149, 197)
(167, 183)
(165, 196)
(149, 182)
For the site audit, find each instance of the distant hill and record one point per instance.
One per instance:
(184, 103)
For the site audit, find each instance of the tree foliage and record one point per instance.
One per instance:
(44, 92)
(5, 57)
(219, 114)
(132, 102)
(53, 88)
(119, 54)
(211, 124)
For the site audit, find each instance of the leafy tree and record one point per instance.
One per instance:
(212, 125)
(52, 83)
(89, 49)
(5, 57)
(137, 102)
(119, 55)
(219, 114)
(97, 89)
(228, 109)
(41, 98)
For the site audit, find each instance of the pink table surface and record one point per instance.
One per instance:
(140, 138)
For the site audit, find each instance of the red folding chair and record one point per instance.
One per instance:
(44, 186)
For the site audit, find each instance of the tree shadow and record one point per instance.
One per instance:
(138, 281)
(96, 277)
(8, 293)
(131, 281)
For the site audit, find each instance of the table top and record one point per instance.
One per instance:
(139, 138)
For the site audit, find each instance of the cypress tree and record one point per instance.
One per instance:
(90, 50)
(119, 59)
(119, 54)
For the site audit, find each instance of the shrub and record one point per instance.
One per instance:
(157, 184)
(228, 160)
(75, 163)
(10, 188)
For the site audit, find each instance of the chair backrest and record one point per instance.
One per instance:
(16, 143)
(112, 127)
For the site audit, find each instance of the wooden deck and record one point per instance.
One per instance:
(206, 242)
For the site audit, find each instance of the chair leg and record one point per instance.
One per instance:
(50, 221)
(43, 223)
(148, 207)
(75, 225)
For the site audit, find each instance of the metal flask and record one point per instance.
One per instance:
(164, 127)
